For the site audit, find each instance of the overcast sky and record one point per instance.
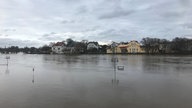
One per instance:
(38, 22)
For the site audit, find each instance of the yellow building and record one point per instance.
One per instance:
(131, 47)
(114, 50)
(134, 47)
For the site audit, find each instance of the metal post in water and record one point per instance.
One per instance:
(33, 79)
(114, 60)
(7, 58)
(7, 70)
(7, 62)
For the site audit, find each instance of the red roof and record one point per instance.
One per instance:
(59, 44)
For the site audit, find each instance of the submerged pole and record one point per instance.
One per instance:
(7, 63)
(7, 58)
(33, 78)
(115, 81)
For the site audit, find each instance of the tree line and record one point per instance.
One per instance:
(80, 47)
(28, 50)
(178, 45)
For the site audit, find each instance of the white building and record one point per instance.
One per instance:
(58, 47)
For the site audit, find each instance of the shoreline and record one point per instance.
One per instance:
(156, 54)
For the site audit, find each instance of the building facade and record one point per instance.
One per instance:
(58, 47)
(132, 47)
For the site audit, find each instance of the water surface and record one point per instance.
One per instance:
(87, 81)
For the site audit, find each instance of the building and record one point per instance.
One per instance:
(69, 50)
(92, 45)
(134, 47)
(58, 47)
(131, 47)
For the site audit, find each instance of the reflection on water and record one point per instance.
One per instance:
(84, 81)
(7, 70)
(115, 61)
(6, 67)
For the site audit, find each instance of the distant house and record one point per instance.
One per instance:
(134, 47)
(69, 50)
(58, 47)
(92, 45)
(131, 47)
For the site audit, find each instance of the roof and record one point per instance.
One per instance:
(59, 44)
(122, 46)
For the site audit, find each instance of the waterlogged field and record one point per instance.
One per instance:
(89, 81)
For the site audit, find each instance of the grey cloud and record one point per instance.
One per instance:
(109, 9)
(187, 25)
(108, 32)
(82, 9)
(173, 14)
(50, 37)
(94, 19)
(116, 32)
(91, 29)
(15, 42)
(117, 35)
(52, 33)
(56, 37)
(67, 21)
(4, 35)
(45, 35)
(185, 2)
(173, 9)
(8, 30)
(116, 14)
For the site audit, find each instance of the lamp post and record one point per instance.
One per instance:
(33, 79)
(114, 59)
(7, 58)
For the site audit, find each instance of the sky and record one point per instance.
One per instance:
(39, 22)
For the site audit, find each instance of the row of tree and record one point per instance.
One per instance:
(29, 50)
(79, 47)
(177, 45)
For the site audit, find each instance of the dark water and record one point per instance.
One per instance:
(87, 81)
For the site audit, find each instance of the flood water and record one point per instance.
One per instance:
(88, 81)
